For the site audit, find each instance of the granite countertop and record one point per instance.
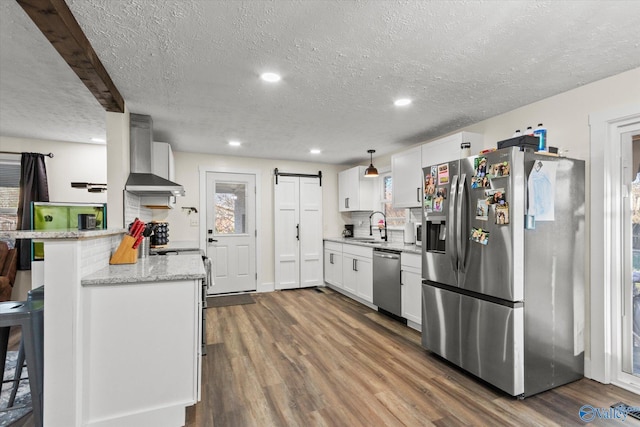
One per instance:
(400, 247)
(60, 234)
(150, 269)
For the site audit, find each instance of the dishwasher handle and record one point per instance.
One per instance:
(385, 255)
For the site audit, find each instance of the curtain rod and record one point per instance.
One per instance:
(15, 152)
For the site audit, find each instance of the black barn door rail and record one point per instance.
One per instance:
(306, 175)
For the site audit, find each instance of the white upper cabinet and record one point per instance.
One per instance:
(406, 170)
(448, 148)
(355, 192)
(162, 164)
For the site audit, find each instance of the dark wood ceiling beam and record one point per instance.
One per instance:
(57, 23)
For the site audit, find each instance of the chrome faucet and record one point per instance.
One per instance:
(384, 228)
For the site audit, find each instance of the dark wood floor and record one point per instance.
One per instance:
(316, 358)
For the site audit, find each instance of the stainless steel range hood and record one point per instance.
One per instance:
(142, 181)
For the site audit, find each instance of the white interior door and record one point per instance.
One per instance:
(297, 232)
(311, 248)
(286, 232)
(231, 231)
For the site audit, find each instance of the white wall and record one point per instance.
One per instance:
(71, 162)
(566, 116)
(187, 174)
(117, 165)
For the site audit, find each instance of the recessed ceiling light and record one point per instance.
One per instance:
(101, 140)
(234, 143)
(315, 151)
(270, 77)
(402, 102)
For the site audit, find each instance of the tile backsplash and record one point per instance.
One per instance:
(96, 253)
(133, 209)
(360, 221)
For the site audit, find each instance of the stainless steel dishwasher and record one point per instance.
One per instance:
(386, 281)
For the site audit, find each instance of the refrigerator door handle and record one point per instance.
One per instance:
(451, 223)
(463, 241)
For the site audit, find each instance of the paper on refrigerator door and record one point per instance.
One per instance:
(542, 190)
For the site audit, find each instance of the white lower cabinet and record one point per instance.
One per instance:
(411, 280)
(357, 271)
(333, 264)
(149, 394)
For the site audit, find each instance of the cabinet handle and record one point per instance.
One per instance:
(346, 203)
(418, 194)
(298, 231)
(330, 258)
(401, 278)
(355, 264)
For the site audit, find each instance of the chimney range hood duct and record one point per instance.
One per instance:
(141, 181)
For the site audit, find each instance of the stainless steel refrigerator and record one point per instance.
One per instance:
(503, 268)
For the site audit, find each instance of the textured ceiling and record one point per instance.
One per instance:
(194, 66)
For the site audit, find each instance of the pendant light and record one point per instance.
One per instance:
(371, 171)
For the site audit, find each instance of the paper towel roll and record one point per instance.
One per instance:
(409, 236)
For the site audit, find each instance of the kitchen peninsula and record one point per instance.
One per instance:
(122, 342)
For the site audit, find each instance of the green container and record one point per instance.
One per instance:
(62, 216)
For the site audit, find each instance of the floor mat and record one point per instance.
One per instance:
(227, 300)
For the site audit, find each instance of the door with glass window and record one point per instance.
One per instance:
(630, 340)
(231, 231)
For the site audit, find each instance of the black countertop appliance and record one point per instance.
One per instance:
(348, 230)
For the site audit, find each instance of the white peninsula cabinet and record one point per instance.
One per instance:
(355, 192)
(333, 264)
(122, 343)
(448, 148)
(406, 169)
(411, 281)
(357, 271)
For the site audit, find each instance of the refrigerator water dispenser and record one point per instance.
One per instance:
(435, 235)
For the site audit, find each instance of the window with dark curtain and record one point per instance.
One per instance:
(9, 194)
(33, 188)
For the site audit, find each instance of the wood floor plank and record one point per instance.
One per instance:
(404, 411)
(309, 358)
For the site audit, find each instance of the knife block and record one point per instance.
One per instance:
(125, 254)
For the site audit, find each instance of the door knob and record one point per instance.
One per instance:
(211, 240)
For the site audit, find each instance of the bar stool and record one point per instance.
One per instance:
(29, 315)
(36, 294)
